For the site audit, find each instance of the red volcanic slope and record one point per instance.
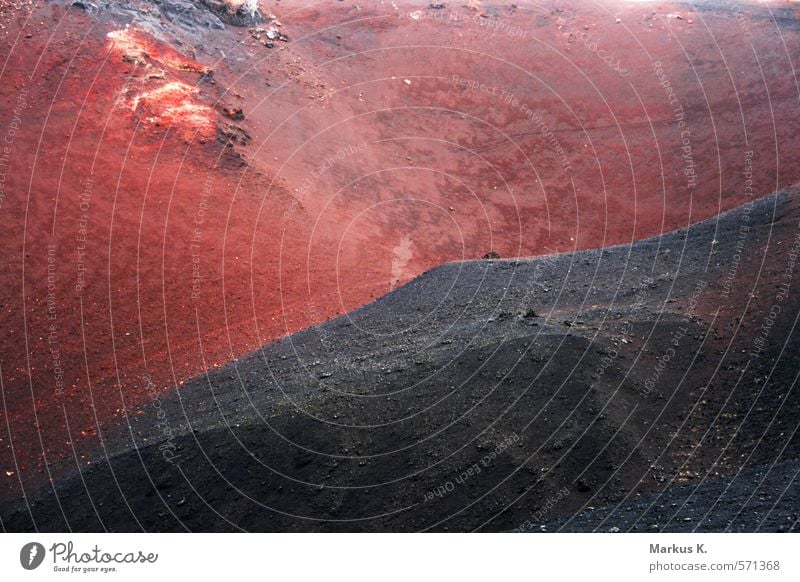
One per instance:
(381, 140)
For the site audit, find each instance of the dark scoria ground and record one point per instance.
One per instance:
(482, 396)
(759, 499)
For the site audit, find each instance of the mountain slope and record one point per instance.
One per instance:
(479, 395)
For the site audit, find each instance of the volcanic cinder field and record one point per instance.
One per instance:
(399, 266)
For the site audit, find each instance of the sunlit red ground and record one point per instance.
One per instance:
(380, 141)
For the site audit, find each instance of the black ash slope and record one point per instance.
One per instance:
(759, 499)
(481, 396)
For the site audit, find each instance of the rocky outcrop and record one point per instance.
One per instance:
(235, 13)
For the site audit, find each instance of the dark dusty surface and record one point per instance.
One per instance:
(503, 365)
(760, 499)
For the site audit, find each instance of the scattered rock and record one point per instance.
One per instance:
(268, 36)
(230, 134)
(234, 113)
(88, 6)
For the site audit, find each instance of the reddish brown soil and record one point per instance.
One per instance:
(382, 142)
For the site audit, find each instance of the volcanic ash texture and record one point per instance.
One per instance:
(490, 395)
